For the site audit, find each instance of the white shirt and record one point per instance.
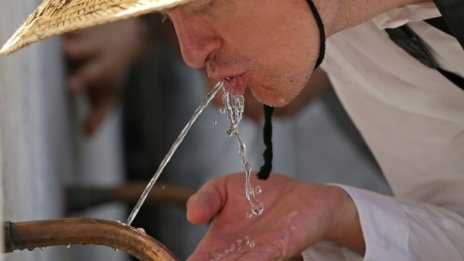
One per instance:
(412, 118)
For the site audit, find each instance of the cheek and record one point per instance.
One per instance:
(278, 78)
(277, 91)
(279, 51)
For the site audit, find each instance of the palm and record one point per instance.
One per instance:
(281, 232)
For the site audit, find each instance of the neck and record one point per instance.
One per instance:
(341, 14)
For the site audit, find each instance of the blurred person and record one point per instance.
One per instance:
(99, 61)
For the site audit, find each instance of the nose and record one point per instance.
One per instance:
(197, 40)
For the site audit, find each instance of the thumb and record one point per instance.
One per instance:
(206, 203)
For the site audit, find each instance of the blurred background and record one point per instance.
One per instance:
(89, 115)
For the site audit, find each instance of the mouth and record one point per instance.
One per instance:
(236, 84)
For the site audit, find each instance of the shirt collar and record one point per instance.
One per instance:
(405, 14)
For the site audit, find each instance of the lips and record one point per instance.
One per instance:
(235, 85)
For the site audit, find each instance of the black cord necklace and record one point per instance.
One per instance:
(322, 36)
(268, 154)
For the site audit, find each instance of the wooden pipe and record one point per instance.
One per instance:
(72, 231)
(82, 197)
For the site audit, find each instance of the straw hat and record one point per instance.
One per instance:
(54, 17)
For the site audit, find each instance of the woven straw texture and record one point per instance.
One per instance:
(54, 17)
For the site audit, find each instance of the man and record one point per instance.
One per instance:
(410, 115)
(273, 55)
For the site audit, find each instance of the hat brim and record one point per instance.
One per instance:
(54, 17)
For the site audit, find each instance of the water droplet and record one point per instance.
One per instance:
(257, 210)
(216, 256)
(251, 243)
(121, 223)
(140, 230)
(116, 250)
(42, 248)
(215, 122)
(247, 164)
(258, 190)
(68, 246)
(230, 133)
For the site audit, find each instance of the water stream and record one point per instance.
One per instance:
(233, 107)
(173, 149)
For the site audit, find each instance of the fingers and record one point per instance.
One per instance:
(87, 64)
(206, 203)
(99, 61)
(97, 115)
(78, 47)
(102, 91)
(92, 75)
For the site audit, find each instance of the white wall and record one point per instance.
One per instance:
(33, 154)
(40, 145)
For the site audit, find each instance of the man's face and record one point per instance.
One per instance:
(269, 46)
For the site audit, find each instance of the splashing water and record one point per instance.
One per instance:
(173, 149)
(233, 107)
(238, 248)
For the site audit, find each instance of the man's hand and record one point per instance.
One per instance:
(99, 59)
(296, 216)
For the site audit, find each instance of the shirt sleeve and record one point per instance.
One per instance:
(400, 230)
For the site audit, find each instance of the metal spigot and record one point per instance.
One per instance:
(72, 231)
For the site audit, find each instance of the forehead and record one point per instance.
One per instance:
(189, 4)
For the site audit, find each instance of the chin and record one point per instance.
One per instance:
(276, 91)
(271, 97)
